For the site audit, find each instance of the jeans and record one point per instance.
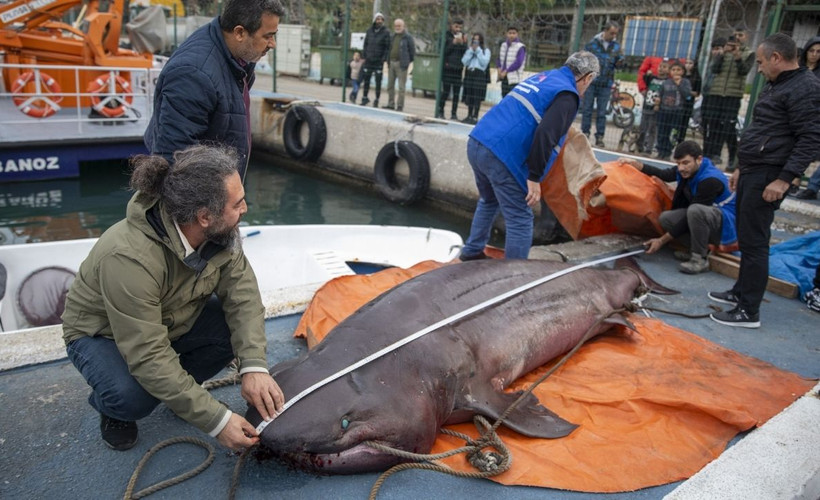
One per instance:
(814, 181)
(498, 190)
(754, 223)
(668, 120)
(451, 80)
(366, 74)
(600, 94)
(704, 223)
(720, 123)
(203, 352)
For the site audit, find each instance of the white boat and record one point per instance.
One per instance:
(290, 262)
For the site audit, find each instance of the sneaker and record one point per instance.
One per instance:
(737, 317)
(697, 264)
(388, 106)
(599, 141)
(812, 299)
(118, 435)
(365, 100)
(682, 255)
(725, 297)
(806, 194)
(376, 103)
(793, 189)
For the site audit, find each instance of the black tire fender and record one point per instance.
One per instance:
(314, 146)
(397, 189)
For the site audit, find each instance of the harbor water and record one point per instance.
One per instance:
(32, 212)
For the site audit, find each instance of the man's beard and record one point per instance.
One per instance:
(227, 237)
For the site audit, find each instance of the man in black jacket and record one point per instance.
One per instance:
(203, 92)
(455, 43)
(376, 49)
(775, 149)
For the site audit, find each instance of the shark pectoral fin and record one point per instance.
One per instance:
(617, 319)
(529, 417)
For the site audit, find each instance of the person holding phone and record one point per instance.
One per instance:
(476, 60)
(454, 47)
(726, 86)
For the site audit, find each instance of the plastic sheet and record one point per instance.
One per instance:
(654, 406)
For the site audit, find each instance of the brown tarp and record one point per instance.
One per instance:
(654, 406)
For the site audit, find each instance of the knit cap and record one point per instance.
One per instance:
(378, 14)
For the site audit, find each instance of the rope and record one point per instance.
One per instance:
(488, 464)
(403, 137)
(129, 495)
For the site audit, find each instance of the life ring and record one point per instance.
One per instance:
(107, 101)
(299, 149)
(35, 104)
(395, 188)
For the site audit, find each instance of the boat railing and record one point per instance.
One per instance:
(88, 94)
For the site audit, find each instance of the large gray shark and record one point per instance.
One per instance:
(447, 376)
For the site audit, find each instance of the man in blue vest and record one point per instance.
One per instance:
(513, 146)
(703, 207)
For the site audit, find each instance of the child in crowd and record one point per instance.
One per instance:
(651, 104)
(355, 75)
(675, 91)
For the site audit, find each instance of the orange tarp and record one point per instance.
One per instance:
(654, 406)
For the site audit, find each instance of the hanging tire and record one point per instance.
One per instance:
(395, 188)
(296, 120)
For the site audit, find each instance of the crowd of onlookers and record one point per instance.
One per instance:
(676, 97)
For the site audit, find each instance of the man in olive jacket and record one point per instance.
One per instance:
(166, 298)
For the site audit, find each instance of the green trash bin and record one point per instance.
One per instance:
(425, 72)
(332, 65)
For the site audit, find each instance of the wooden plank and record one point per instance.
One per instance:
(729, 265)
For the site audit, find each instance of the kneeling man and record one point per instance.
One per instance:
(166, 298)
(703, 207)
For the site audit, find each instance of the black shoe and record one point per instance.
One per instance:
(388, 106)
(480, 256)
(793, 190)
(454, 116)
(376, 103)
(364, 102)
(806, 194)
(725, 297)
(399, 108)
(118, 435)
(599, 141)
(737, 317)
(439, 115)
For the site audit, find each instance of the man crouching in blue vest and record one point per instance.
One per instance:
(513, 146)
(703, 207)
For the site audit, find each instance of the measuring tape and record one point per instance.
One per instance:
(436, 326)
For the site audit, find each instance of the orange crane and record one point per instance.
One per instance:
(32, 32)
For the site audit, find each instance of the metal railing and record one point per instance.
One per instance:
(102, 94)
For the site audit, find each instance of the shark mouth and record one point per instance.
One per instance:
(359, 458)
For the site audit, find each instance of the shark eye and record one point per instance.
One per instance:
(345, 423)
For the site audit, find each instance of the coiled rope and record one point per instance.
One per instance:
(129, 490)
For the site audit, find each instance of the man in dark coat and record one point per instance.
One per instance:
(455, 43)
(376, 49)
(203, 92)
(774, 150)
